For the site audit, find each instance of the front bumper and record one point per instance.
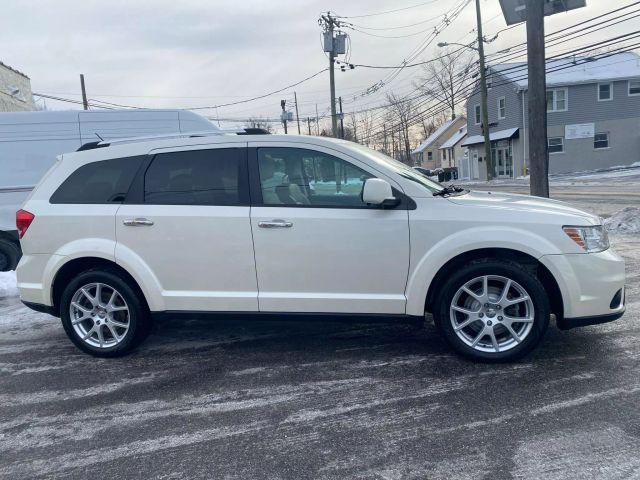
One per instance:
(591, 284)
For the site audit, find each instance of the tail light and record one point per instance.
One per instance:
(23, 220)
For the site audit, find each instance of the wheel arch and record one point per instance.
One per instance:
(77, 265)
(528, 261)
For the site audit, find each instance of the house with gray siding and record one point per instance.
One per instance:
(593, 115)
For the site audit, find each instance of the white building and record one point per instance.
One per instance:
(15, 90)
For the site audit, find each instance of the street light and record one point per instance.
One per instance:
(446, 44)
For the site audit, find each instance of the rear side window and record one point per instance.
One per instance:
(99, 182)
(195, 177)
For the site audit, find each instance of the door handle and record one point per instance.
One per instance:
(137, 222)
(275, 224)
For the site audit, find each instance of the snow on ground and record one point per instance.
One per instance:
(624, 221)
(627, 174)
(8, 286)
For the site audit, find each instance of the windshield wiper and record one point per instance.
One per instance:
(449, 190)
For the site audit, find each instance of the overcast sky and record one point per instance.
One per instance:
(188, 53)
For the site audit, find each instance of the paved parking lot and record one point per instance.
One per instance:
(238, 400)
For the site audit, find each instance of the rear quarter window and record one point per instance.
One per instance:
(106, 181)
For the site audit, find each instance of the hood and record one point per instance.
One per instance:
(526, 204)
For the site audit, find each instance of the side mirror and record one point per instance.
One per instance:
(378, 192)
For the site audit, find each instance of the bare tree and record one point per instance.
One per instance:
(445, 78)
(260, 123)
(400, 111)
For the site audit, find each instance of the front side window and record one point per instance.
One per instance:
(634, 87)
(107, 181)
(601, 140)
(605, 92)
(194, 177)
(502, 108)
(477, 115)
(557, 100)
(299, 177)
(556, 144)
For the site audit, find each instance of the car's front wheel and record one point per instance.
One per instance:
(103, 315)
(492, 310)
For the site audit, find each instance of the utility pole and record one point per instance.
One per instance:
(283, 103)
(341, 119)
(85, 104)
(309, 125)
(483, 95)
(537, 91)
(297, 115)
(317, 121)
(329, 23)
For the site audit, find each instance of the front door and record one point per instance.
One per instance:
(318, 247)
(189, 230)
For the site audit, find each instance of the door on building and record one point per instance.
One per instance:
(502, 159)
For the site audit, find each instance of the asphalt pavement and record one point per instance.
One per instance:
(241, 400)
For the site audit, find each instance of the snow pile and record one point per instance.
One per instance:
(8, 287)
(626, 220)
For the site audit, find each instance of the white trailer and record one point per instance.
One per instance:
(31, 141)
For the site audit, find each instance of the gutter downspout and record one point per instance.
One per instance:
(524, 139)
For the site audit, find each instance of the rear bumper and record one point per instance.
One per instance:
(38, 307)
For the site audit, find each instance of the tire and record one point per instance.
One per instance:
(107, 317)
(9, 255)
(491, 316)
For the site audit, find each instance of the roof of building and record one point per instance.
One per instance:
(435, 135)
(14, 70)
(453, 140)
(573, 70)
(500, 135)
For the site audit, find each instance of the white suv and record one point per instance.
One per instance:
(273, 224)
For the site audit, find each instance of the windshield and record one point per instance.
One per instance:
(400, 168)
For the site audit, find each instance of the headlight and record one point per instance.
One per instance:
(590, 239)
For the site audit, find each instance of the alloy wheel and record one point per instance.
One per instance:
(492, 313)
(99, 315)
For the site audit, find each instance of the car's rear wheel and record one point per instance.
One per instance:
(9, 255)
(492, 310)
(103, 315)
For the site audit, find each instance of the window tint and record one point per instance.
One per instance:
(195, 177)
(99, 182)
(296, 176)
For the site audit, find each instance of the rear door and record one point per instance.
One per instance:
(318, 247)
(186, 226)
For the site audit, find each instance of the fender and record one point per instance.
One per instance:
(143, 275)
(86, 247)
(421, 275)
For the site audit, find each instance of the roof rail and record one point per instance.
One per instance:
(167, 136)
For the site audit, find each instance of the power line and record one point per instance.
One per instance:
(388, 11)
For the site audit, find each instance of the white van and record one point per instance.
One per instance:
(30, 142)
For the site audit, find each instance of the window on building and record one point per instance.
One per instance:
(556, 144)
(601, 140)
(634, 87)
(429, 156)
(605, 92)
(557, 100)
(98, 182)
(196, 177)
(489, 81)
(502, 108)
(297, 176)
(477, 114)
